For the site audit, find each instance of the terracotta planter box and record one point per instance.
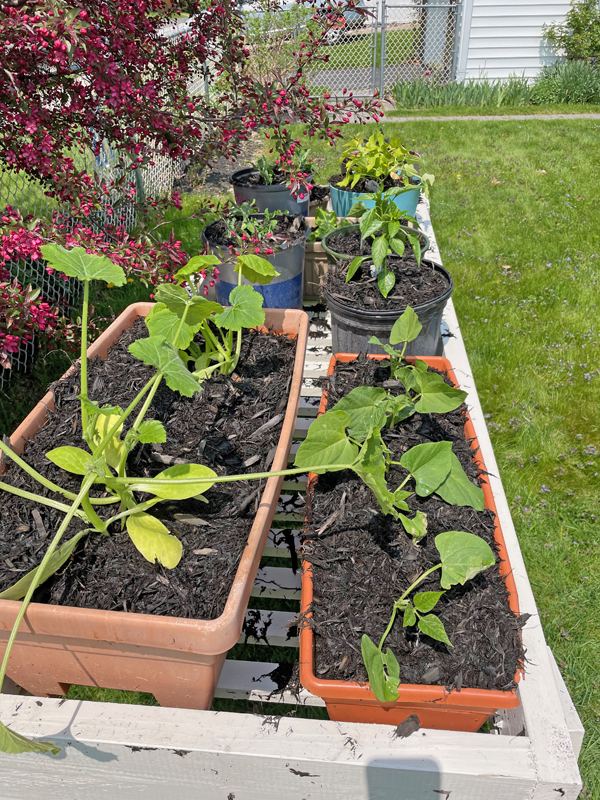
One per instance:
(177, 660)
(350, 701)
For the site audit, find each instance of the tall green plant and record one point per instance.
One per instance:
(579, 34)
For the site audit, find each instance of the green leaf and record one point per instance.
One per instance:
(434, 627)
(458, 490)
(366, 407)
(392, 229)
(152, 431)
(416, 527)
(72, 459)
(437, 397)
(410, 618)
(416, 246)
(95, 408)
(174, 491)
(406, 328)
(179, 301)
(76, 263)
(372, 470)
(420, 365)
(19, 589)
(401, 407)
(153, 540)
(429, 464)
(354, 265)
(386, 281)
(400, 496)
(166, 324)
(369, 223)
(464, 555)
(155, 352)
(12, 742)
(408, 376)
(357, 210)
(327, 443)
(392, 353)
(397, 246)
(246, 310)
(383, 670)
(256, 269)
(196, 264)
(114, 448)
(426, 601)
(379, 251)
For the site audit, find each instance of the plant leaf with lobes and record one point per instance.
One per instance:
(76, 263)
(163, 322)
(246, 310)
(12, 742)
(155, 352)
(151, 431)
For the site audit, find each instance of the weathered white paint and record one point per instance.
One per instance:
(502, 39)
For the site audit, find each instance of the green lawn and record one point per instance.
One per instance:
(516, 210)
(493, 111)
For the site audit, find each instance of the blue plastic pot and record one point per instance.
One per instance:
(342, 200)
(284, 291)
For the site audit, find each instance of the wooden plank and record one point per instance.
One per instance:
(280, 542)
(572, 718)
(129, 752)
(252, 680)
(269, 628)
(277, 582)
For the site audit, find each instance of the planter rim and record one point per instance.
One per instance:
(354, 191)
(182, 634)
(272, 187)
(394, 313)
(336, 690)
(344, 257)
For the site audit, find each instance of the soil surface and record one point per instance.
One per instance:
(347, 243)
(365, 185)
(364, 561)
(233, 426)
(414, 285)
(256, 179)
(289, 230)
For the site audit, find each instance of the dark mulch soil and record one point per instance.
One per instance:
(289, 230)
(364, 184)
(222, 427)
(414, 284)
(319, 194)
(256, 179)
(364, 561)
(347, 243)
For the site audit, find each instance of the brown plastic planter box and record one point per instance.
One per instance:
(177, 660)
(350, 701)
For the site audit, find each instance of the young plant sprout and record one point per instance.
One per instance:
(463, 556)
(326, 222)
(389, 221)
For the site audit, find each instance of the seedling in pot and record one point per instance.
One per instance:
(463, 556)
(387, 220)
(352, 430)
(326, 222)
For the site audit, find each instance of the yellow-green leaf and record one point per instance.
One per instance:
(163, 485)
(12, 742)
(72, 459)
(153, 540)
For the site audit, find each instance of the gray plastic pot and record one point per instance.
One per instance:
(334, 256)
(351, 328)
(275, 197)
(284, 291)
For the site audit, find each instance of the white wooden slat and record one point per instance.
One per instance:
(277, 582)
(251, 680)
(269, 628)
(129, 752)
(574, 724)
(277, 546)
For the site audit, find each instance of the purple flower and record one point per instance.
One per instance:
(544, 488)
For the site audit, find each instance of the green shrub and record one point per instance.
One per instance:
(425, 93)
(568, 82)
(579, 34)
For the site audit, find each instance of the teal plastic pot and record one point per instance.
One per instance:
(333, 256)
(342, 200)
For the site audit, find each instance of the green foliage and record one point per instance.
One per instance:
(156, 352)
(167, 486)
(256, 269)
(378, 159)
(153, 540)
(568, 82)
(579, 34)
(326, 222)
(77, 263)
(476, 93)
(463, 556)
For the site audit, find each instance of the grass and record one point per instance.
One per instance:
(357, 50)
(516, 214)
(490, 111)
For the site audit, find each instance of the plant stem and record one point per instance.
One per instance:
(140, 417)
(38, 498)
(135, 510)
(84, 380)
(124, 416)
(85, 487)
(93, 517)
(404, 596)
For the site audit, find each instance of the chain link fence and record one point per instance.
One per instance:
(392, 42)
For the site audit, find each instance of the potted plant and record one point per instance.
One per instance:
(315, 257)
(411, 608)
(376, 271)
(271, 186)
(367, 164)
(281, 238)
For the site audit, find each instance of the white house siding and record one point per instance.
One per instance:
(499, 39)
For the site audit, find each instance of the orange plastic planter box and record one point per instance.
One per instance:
(177, 660)
(350, 701)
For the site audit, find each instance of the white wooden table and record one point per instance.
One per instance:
(129, 752)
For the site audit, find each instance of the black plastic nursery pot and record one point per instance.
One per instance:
(272, 197)
(351, 327)
(333, 255)
(284, 291)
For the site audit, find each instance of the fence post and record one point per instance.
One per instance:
(382, 47)
(374, 48)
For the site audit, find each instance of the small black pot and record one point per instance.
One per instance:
(274, 197)
(351, 328)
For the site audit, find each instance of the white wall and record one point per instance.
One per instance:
(505, 38)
